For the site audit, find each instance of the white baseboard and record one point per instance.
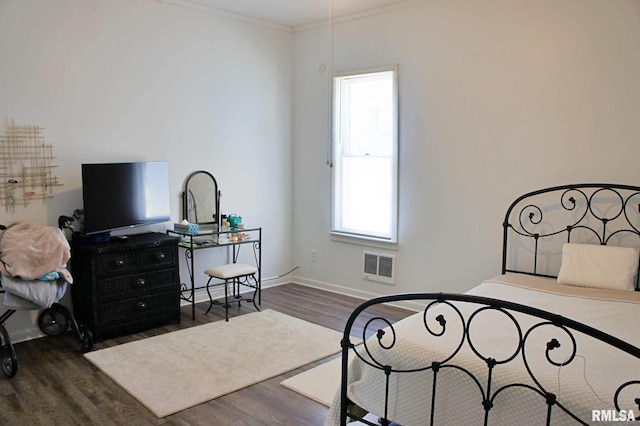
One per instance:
(359, 294)
(26, 334)
(218, 291)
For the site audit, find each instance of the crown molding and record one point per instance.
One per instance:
(221, 13)
(359, 15)
(319, 24)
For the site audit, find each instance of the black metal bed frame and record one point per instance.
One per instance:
(584, 202)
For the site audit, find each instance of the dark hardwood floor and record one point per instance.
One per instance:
(56, 385)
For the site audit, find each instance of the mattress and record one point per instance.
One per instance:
(588, 382)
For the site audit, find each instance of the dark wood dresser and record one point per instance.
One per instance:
(127, 285)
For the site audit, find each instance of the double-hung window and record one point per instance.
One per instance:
(365, 154)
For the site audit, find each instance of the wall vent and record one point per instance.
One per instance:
(379, 267)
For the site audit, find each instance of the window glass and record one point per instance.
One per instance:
(365, 146)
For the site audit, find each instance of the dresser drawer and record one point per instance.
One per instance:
(158, 256)
(129, 285)
(109, 263)
(139, 308)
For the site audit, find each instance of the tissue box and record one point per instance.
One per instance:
(191, 228)
(234, 220)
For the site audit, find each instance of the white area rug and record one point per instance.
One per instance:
(174, 371)
(319, 383)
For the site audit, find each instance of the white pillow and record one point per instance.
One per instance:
(594, 265)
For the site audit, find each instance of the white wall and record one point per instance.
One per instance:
(124, 80)
(497, 98)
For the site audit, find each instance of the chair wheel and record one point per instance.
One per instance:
(86, 339)
(53, 322)
(9, 361)
(62, 309)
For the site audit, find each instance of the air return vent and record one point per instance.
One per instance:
(379, 267)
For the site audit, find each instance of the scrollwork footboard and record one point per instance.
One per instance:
(468, 358)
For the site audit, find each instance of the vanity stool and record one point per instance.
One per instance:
(237, 274)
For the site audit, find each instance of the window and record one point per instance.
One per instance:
(364, 189)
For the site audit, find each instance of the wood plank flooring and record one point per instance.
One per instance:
(56, 385)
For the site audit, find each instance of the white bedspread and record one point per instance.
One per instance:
(458, 398)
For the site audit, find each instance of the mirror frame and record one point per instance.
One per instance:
(185, 197)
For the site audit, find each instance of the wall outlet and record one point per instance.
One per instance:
(314, 255)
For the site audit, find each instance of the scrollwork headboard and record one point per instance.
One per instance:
(537, 224)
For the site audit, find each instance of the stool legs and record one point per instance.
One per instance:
(226, 300)
(236, 291)
(235, 281)
(255, 292)
(210, 298)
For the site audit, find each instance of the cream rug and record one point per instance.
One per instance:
(174, 371)
(319, 383)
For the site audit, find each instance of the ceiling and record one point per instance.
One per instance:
(294, 13)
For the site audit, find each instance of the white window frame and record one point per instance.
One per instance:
(339, 135)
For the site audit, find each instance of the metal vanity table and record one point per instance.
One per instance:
(216, 237)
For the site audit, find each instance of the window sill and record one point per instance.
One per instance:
(362, 240)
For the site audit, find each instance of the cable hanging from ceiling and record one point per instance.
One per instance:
(329, 160)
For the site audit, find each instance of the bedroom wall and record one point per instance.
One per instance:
(123, 80)
(497, 98)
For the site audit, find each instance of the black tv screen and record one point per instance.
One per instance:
(124, 195)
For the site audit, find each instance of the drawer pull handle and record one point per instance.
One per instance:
(160, 256)
(141, 306)
(118, 262)
(140, 282)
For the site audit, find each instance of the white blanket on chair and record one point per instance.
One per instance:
(21, 294)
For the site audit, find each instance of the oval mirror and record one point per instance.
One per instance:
(201, 198)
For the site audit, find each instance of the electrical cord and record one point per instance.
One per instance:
(584, 372)
(280, 276)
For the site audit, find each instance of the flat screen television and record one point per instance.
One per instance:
(124, 195)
